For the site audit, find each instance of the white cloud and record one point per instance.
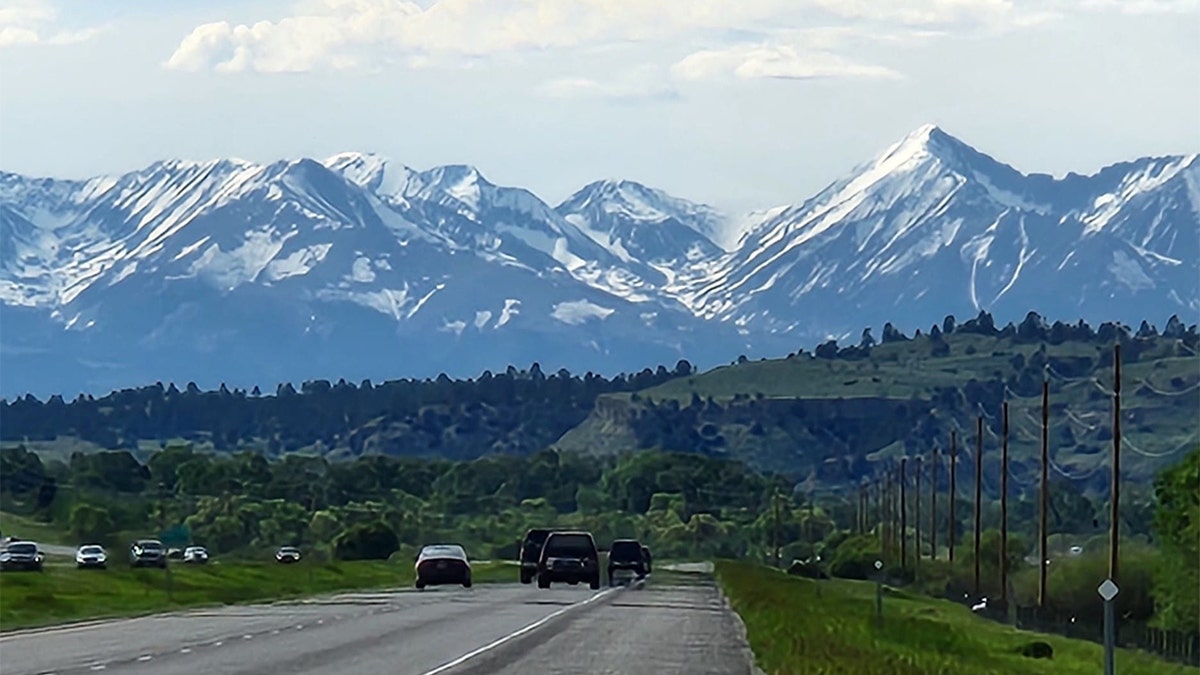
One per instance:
(333, 33)
(32, 22)
(753, 61)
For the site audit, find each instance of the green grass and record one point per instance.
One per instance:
(63, 594)
(28, 528)
(799, 625)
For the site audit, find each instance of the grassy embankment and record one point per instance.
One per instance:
(63, 594)
(799, 625)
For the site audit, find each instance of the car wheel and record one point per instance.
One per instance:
(467, 583)
(595, 585)
(525, 578)
(420, 585)
(543, 582)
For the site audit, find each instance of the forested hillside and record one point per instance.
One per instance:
(516, 411)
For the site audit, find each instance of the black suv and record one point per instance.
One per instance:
(148, 553)
(571, 557)
(21, 555)
(625, 554)
(531, 551)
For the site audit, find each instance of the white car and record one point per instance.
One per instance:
(197, 555)
(91, 555)
(443, 564)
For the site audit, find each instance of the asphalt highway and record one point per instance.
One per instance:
(491, 628)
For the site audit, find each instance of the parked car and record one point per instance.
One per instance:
(21, 555)
(287, 555)
(148, 553)
(91, 555)
(440, 564)
(571, 557)
(625, 555)
(531, 550)
(195, 555)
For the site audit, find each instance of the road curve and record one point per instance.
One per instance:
(491, 628)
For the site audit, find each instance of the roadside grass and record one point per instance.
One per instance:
(797, 625)
(63, 594)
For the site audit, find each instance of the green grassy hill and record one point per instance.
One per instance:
(833, 418)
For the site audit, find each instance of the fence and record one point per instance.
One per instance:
(1172, 645)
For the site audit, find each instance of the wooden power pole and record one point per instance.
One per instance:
(978, 494)
(903, 516)
(933, 522)
(1114, 520)
(1043, 497)
(952, 529)
(1004, 507)
(917, 516)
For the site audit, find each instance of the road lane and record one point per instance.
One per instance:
(668, 628)
(406, 631)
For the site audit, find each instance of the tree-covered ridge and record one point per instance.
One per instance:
(516, 411)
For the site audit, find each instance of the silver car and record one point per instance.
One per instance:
(91, 556)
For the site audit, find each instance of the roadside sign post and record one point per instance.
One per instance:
(1108, 590)
(879, 593)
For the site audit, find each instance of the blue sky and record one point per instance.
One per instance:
(741, 103)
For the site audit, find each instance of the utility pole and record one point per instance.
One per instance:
(1114, 521)
(903, 516)
(952, 530)
(1004, 508)
(889, 512)
(775, 526)
(978, 494)
(933, 524)
(917, 517)
(1043, 499)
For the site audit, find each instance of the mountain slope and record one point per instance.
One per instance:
(933, 227)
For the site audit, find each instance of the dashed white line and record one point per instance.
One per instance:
(99, 666)
(275, 632)
(145, 657)
(516, 634)
(320, 621)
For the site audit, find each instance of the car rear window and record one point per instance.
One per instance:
(570, 544)
(625, 550)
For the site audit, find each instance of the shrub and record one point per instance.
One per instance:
(367, 541)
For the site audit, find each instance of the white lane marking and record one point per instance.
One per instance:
(275, 632)
(320, 621)
(247, 637)
(516, 634)
(299, 626)
(99, 666)
(145, 657)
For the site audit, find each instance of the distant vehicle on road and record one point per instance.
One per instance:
(148, 553)
(646, 557)
(571, 557)
(287, 555)
(91, 556)
(439, 564)
(21, 555)
(195, 555)
(531, 551)
(625, 555)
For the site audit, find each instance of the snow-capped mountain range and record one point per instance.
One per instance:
(361, 267)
